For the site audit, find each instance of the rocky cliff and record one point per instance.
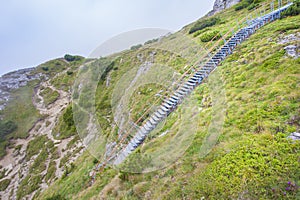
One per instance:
(220, 5)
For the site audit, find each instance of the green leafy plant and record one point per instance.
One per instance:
(292, 10)
(210, 35)
(4, 184)
(202, 24)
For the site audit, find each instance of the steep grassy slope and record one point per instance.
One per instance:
(252, 158)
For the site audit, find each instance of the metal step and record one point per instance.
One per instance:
(188, 86)
(164, 109)
(170, 103)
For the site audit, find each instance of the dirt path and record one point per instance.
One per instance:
(14, 161)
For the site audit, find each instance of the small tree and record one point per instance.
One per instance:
(69, 57)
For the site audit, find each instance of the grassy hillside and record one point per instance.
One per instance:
(252, 158)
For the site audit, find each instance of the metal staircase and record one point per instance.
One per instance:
(170, 104)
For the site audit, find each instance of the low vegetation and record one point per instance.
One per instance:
(71, 58)
(136, 47)
(65, 127)
(249, 4)
(4, 184)
(19, 116)
(49, 96)
(210, 35)
(35, 146)
(252, 158)
(293, 10)
(202, 24)
(6, 128)
(251, 169)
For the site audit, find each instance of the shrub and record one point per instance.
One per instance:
(45, 68)
(68, 117)
(204, 24)
(49, 95)
(197, 33)
(254, 165)
(135, 47)
(151, 41)
(71, 58)
(253, 6)
(4, 184)
(35, 146)
(250, 4)
(69, 73)
(7, 128)
(56, 197)
(208, 36)
(107, 70)
(292, 10)
(241, 6)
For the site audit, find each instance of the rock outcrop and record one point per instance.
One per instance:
(294, 136)
(220, 5)
(14, 80)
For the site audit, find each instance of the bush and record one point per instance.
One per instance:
(197, 33)
(7, 128)
(292, 10)
(151, 41)
(68, 117)
(250, 4)
(45, 68)
(208, 36)
(253, 6)
(56, 197)
(71, 58)
(135, 47)
(4, 184)
(241, 6)
(253, 169)
(35, 145)
(69, 73)
(107, 70)
(49, 95)
(204, 24)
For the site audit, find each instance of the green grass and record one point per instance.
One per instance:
(252, 158)
(65, 126)
(21, 110)
(43, 149)
(66, 80)
(21, 113)
(4, 184)
(145, 93)
(35, 146)
(28, 185)
(49, 96)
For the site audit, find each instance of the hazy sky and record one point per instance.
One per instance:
(33, 31)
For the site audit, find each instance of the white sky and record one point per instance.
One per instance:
(34, 31)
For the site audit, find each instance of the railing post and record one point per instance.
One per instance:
(272, 6)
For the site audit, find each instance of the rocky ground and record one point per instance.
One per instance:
(14, 162)
(14, 80)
